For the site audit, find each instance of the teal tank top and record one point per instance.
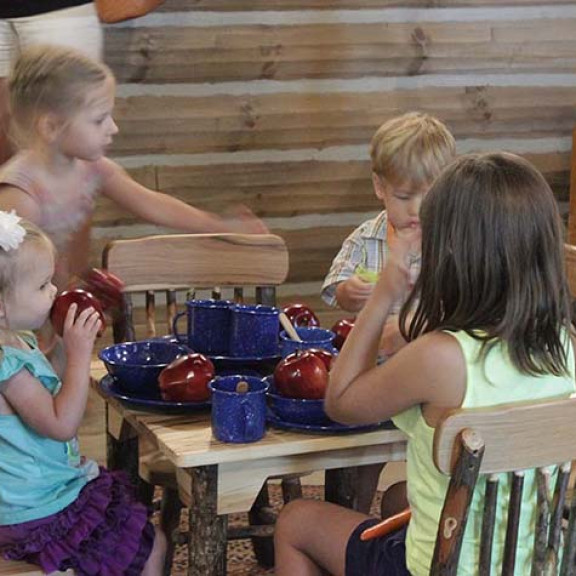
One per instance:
(38, 476)
(490, 381)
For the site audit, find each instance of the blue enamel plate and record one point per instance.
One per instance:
(150, 404)
(324, 428)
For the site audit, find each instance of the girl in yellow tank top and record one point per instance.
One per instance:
(492, 270)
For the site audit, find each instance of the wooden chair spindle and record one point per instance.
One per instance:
(488, 522)
(542, 520)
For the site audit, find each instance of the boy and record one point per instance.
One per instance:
(408, 152)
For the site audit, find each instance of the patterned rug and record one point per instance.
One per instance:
(241, 560)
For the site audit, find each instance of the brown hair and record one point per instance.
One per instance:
(493, 261)
(50, 79)
(412, 149)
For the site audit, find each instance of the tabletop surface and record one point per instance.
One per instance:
(187, 439)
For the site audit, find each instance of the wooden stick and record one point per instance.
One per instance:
(290, 330)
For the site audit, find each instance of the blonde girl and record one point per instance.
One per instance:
(57, 510)
(492, 326)
(61, 104)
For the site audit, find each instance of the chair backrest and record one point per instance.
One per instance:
(192, 262)
(511, 438)
(570, 261)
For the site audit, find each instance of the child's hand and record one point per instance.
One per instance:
(395, 279)
(242, 220)
(80, 333)
(353, 293)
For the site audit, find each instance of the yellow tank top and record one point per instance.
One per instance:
(491, 381)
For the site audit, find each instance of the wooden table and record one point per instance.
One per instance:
(225, 478)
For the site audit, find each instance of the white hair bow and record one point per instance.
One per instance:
(11, 233)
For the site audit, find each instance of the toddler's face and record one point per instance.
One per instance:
(90, 130)
(27, 306)
(402, 202)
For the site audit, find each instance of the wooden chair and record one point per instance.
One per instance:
(190, 263)
(508, 439)
(570, 260)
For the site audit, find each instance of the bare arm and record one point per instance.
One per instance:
(59, 416)
(164, 210)
(12, 198)
(362, 392)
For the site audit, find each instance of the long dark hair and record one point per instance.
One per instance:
(492, 261)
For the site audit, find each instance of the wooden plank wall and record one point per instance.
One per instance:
(272, 103)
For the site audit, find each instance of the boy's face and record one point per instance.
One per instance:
(402, 202)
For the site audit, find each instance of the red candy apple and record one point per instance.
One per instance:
(107, 287)
(82, 299)
(300, 314)
(324, 355)
(342, 329)
(186, 379)
(301, 374)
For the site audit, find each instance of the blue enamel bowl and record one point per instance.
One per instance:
(136, 365)
(312, 337)
(295, 410)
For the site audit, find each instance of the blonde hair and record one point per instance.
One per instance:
(52, 79)
(13, 265)
(412, 149)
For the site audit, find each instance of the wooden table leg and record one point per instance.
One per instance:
(122, 454)
(341, 486)
(207, 532)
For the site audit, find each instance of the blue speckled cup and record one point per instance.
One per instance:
(208, 326)
(254, 331)
(238, 417)
(312, 337)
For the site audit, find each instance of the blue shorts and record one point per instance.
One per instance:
(384, 556)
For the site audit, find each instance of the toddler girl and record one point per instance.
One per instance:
(61, 103)
(492, 326)
(57, 510)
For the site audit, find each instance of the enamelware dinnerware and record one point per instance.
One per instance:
(312, 337)
(327, 428)
(238, 408)
(296, 410)
(137, 365)
(154, 403)
(208, 329)
(254, 330)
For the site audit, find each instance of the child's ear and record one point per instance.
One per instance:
(379, 187)
(49, 126)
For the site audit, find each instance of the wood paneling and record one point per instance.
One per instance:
(232, 91)
(288, 189)
(217, 123)
(248, 5)
(245, 53)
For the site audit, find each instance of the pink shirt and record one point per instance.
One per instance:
(62, 214)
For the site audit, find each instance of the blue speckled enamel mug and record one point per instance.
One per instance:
(254, 331)
(208, 326)
(238, 417)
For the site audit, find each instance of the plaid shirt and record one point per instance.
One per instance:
(366, 247)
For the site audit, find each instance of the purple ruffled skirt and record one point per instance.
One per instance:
(105, 531)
